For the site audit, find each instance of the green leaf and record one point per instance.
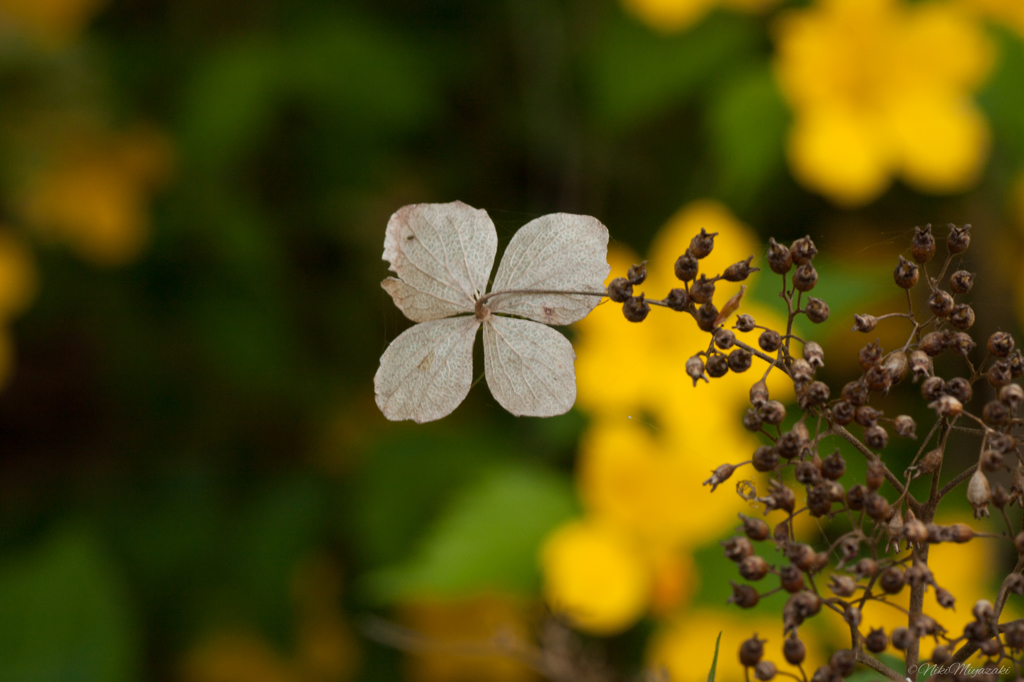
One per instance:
(486, 540)
(64, 615)
(636, 74)
(747, 123)
(714, 661)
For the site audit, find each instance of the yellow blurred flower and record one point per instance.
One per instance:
(676, 15)
(686, 647)
(460, 637)
(597, 576)
(653, 439)
(882, 89)
(52, 23)
(95, 195)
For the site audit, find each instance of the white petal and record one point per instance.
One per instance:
(427, 371)
(561, 252)
(442, 254)
(529, 367)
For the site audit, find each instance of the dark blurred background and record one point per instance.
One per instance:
(195, 482)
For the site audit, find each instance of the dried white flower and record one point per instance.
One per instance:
(552, 272)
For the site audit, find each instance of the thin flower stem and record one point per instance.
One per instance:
(876, 665)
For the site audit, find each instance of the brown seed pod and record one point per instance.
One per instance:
(866, 416)
(752, 420)
(773, 412)
(636, 308)
(906, 274)
(740, 360)
(620, 290)
(779, 258)
(932, 388)
(870, 355)
(769, 341)
(961, 389)
(717, 366)
(876, 437)
(1000, 344)
(959, 239)
(929, 464)
(923, 244)
(940, 655)
(737, 272)
(944, 597)
(779, 497)
(743, 596)
(816, 310)
(959, 533)
(794, 650)
(703, 290)
(856, 392)
(933, 343)
(803, 250)
(905, 426)
(892, 580)
(961, 281)
(961, 343)
(753, 567)
(758, 394)
(876, 641)
(814, 354)
(702, 244)
(962, 316)
(999, 374)
(764, 671)
(766, 458)
(791, 578)
(637, 273)
(979, 493)
(995, 413)
(819, 501)
(843, 412)
(805, 277)
(920, 364)
(706, 316)
(737, 548)
(864, 323)
(866, 568)
(914, 530)
(875, 475)
(902, 638)
(745, 323)
(855, 497)
(842, 585)
(756, 529)
(877, 507)
(695, 369)
(843, 662)
(751, 651)
(940, 303)
(677, 300)
(834, 466)
(947, 406)
(1012, 395)
(687, 267)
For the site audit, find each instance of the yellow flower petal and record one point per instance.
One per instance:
(596, 576)
(942, 141)
(840, 154)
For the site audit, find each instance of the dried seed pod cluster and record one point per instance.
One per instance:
(882, 549)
